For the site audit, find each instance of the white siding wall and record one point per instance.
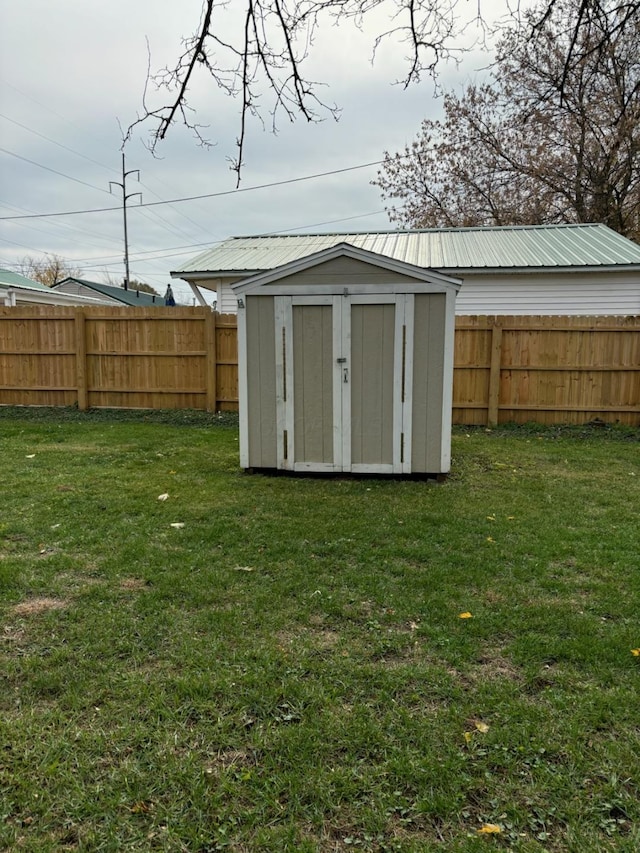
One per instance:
(550, 293)
(76, 289)
(227, 302)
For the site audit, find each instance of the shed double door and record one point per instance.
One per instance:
(343, 380)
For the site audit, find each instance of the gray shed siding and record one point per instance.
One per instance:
(426, 421)
(261, 389)
(349, 271)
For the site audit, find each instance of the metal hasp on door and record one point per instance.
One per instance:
(346, 365)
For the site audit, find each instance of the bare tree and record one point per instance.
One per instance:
(48, 270)
(547, 141)
(263, 51)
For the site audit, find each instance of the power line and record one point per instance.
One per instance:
(326, 222)
(176, 231)
(59, 144)
(64, 225)
(236, 191)
(179, 212)
(48, 169)
(175, 251)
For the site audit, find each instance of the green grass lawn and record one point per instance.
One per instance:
(289, 670)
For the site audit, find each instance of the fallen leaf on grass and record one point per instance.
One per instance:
(490, 539)
(177, 524)
(465, 615)
(635, 653)
(489, 829)
(479, 726)
(163, 497)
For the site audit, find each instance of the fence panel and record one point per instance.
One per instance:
(118, 357)
(544, 369)
(37, 356)
(547, 369)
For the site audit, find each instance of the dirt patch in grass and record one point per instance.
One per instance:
(392, 658)
(492, 665)
(133, 584)
(325, 639)
(34, 606)
(228, 758)
(316, 639)
(491, 596)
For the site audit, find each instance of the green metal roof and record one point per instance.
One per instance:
(447, 249)
(14, 279)
(127, 297)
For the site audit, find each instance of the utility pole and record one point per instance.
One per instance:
(125, 197)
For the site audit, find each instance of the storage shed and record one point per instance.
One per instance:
(346, 365)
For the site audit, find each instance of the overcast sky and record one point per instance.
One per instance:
(72, 73)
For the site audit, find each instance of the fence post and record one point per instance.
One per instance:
(494, 374)
(211, 364)
(81, 360)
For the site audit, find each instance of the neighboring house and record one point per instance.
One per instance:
(544, 269)
(107, 293)
(16, 289)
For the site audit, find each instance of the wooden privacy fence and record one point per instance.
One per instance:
(544, 369)
(133, 358)
(547, 369)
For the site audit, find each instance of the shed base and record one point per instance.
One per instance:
(346, 475)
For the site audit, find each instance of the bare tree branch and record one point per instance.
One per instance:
(259, 55)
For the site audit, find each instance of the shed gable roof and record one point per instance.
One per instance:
(256, 282)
